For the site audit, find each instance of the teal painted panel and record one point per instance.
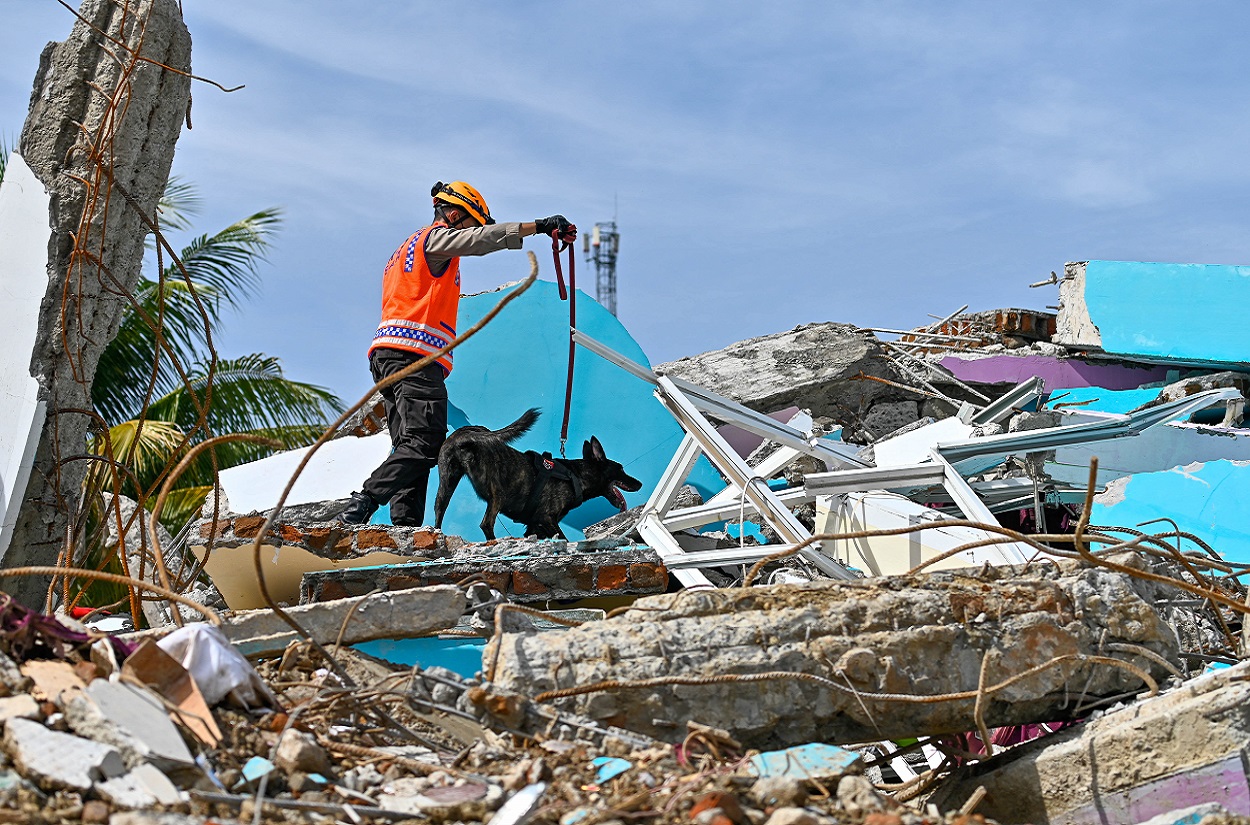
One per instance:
(1187, 312)
(520, 360)
(1100, 400)
(1210, 500)
(462, 656)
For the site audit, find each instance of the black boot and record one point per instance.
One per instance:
(359, 510)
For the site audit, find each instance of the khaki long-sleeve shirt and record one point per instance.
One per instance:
(444, 243)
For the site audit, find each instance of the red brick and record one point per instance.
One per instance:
(246, 527)
(318, 537)
(288, 533)
(405, 582)
(527, 584)
(612, 577)
(498, 580)
(329, 591)
(214, 529)
(581, 575)
(647, 575)
(424, 540)
(367, 539)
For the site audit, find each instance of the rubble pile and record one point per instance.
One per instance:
(987, 570)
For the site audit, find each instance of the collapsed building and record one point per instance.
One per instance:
(986, 567)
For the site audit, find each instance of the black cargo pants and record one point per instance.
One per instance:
(416, 415)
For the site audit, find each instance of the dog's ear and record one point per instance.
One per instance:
(592, 450)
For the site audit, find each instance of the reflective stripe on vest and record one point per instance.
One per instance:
(418, 307)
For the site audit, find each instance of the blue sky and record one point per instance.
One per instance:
(768, 164)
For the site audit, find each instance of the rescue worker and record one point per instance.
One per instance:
(420, 295)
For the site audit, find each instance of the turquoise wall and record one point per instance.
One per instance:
(519, 360)
(1210, 500)
(1187, 312)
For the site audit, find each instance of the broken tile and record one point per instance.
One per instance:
(144, 787)
(59, 760)
(811, 761)
(141, 714)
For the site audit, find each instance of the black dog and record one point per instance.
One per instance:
(531, 489)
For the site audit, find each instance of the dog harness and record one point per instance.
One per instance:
(548, 468)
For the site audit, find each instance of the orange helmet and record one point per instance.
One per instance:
(459, 193)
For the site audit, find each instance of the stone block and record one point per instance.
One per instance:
(59, 760)
(22, 706)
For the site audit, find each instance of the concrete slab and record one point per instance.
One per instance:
(59, 760)
(525, 570)
(144, 787)
(985, 368)
(1210, 500)
(392, 615)
(143, 716)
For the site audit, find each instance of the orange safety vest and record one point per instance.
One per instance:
(418, 307)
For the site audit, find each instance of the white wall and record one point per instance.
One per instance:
(24, 235)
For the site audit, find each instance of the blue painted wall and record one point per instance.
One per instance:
(1100, 400)
(1210, 500)
(1187, 312)
(519, 360)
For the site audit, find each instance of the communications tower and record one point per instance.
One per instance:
(601, 246)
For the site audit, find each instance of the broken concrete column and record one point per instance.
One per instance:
(921, 636)
(817, 367)
(105, 114)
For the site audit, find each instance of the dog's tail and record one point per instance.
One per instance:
(519, 427)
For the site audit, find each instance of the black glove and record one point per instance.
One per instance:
(557, 226)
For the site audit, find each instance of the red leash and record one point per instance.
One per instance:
(571, 296)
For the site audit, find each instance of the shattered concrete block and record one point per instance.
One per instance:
(59, 760)
(291, 549)
(108, 86)
(394, 615)
(525, 570)
(143, 715)
(143, 787)
(22, 706)
(12, 681)
(1181, 748)
(813, 366)
(924, 635)
(299, 751)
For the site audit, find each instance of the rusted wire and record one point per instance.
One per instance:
(40, 570)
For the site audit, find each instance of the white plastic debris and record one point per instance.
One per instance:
(218, 669)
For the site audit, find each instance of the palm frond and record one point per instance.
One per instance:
(144, 446)
(233, 453)
(250, 394)
(183, 504)
(222, 269)
(178, 203)
(227, 261)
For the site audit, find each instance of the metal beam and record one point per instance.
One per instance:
(735, 469)
(875, 478)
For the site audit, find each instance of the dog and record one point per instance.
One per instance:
(531, 489)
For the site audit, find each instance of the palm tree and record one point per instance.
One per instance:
(160, 387)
